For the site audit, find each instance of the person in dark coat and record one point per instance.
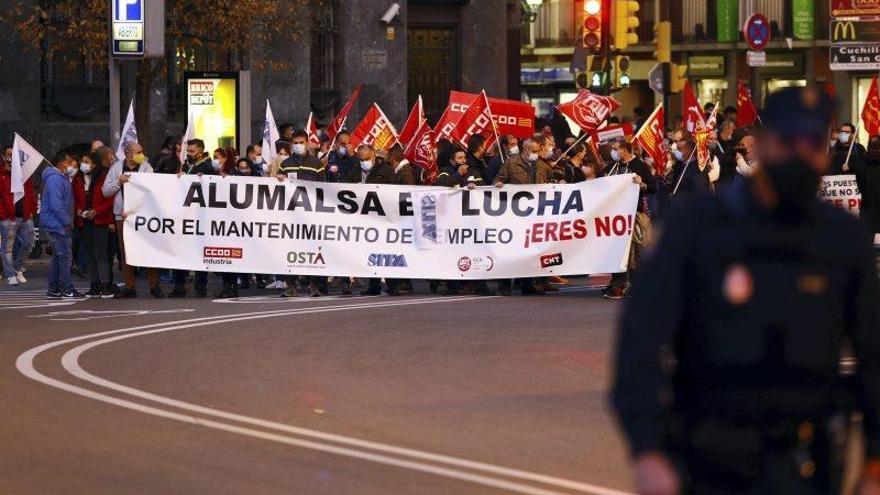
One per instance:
(341, 159)
(687, 177)
(373, 170)
(846, 136)
(476, 159)
(727, 371)
(405, 173)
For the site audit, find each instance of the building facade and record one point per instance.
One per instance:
(428, 49)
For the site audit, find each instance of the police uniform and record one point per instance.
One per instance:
(728, 354)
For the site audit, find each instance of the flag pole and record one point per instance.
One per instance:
(851, 144)
(583, 135)
(683, 170)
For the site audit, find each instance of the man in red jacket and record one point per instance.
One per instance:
(16, 223)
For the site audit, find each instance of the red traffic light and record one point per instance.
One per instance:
(592, 27)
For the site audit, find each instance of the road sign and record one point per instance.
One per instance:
(855, 31)
(855, 57)
(855, 8)
(757, 31)
(756, 59)
(655, 78)
(127, 28)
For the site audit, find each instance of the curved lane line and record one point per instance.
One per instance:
(70, 362)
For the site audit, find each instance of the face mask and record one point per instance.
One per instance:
(366, 165)
(244, 171)
(514, 150)
(258, 160)
(283, 156)
(795, 183)
(342, 151)
(615, 155)
(299, 149)
(678, 155)
(85, 168)
(843, 137)
(533, 157)
(71, 171)
(139, 159)
(713, 145)
(215, 164)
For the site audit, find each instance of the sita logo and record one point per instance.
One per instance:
(389, 260)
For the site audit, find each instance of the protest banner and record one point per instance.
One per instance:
(254, 225)
(841, 191)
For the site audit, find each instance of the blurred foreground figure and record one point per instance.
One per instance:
(727, 368)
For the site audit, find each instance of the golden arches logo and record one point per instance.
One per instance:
(844, 31)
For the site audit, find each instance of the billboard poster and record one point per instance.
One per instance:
(212, 101)
(855, 8)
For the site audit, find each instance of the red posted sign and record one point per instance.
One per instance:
(855, 8)
(510, 116)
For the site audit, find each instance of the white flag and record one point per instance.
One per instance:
(129, 133)
(25, 161)
(189, 134)
(270, 135)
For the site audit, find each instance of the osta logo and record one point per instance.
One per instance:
(387, 260)
(299, 258)
(476, 264)
(549, 260)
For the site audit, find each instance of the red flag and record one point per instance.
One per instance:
(511, 116)
(745, 108)
(422, 152)
(312, 130)
(692, 113)
(415, 119)
(375, 130)
(340, 119)
(650, 137)
(588, 110)
(871, 110)
(477, 119)
(443, 129)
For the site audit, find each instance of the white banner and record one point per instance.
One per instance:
(260, 225)
(841, 191)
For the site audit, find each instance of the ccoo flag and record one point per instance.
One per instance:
(422, 152)
(375, 130)
(339, 122)
(270, 135)
(25, 161)
(871, 110)
(692, 111)
(413, 122)
(129, 133)
(477, 119)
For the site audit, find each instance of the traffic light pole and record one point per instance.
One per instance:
(667, 85)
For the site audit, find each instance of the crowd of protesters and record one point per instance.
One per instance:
(81, 197)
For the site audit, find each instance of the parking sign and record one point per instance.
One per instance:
(127, 35)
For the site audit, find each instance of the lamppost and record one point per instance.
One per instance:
(530, 9)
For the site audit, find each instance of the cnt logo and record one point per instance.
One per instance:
(549, 260)
(387, 260)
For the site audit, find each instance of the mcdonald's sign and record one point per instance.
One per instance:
(855, 31)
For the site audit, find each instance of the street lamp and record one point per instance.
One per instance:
(530, 8)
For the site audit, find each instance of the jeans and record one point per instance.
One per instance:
(16, 242)
(59, 268)
(94, 243)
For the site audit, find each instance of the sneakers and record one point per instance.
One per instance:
(290, 292)
(19, 275)
(107, 291)
(94, 292)
(278, 284)
(72, 294)
(12, 281)
(53, 294)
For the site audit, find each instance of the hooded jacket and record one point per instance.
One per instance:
(56, 202)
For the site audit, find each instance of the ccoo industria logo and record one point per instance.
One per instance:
(213, 255)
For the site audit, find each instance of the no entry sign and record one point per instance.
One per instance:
(757, 31)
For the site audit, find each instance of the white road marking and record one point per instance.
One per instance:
(16, 298)
(24, 364)
(300, 298)
(91, 314)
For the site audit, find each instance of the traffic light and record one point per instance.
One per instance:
(593, 25)
(582, 80)
(677, 78)
(622, 64)
(663, 42)
(625, 18)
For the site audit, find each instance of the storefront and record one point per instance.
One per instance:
(708, 75)
(782, 70)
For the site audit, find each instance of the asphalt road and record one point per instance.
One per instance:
(419, 394)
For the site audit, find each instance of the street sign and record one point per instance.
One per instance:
(855, 31)
(655, 78)
(855, 8)
(756, 59)
(127, 32)
(757, 31)
(855, 57)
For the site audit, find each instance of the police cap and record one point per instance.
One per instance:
(798, 113)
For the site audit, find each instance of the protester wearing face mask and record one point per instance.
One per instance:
(341, 160)
(255, 155)
(93, 214)
(687, 176)
(16, 223)
(223, 161)
(56, 220)
(372, 170)
(526, 168)
(302, 166)
(856, 153)
(119, 174)
(168, 162)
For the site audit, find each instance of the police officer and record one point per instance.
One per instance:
(727, 366)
